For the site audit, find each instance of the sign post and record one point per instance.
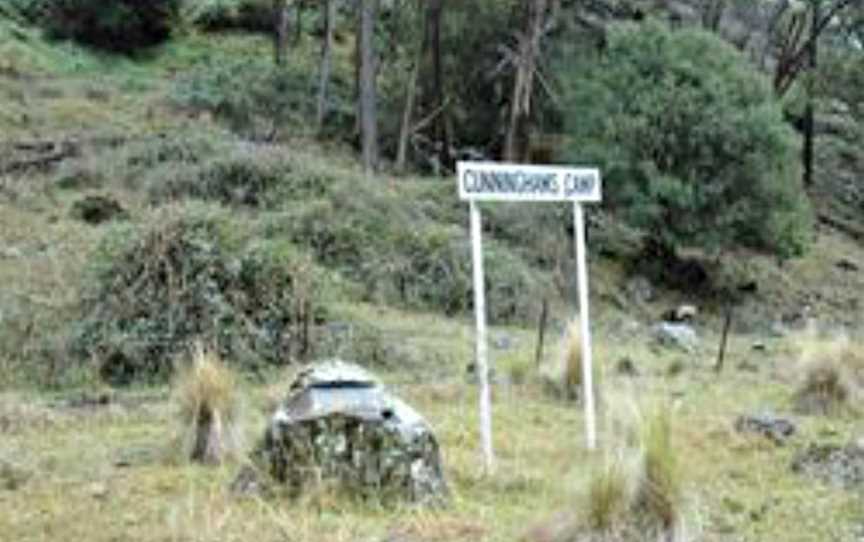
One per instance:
(490, 181)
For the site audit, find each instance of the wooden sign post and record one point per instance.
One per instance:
(490, 181)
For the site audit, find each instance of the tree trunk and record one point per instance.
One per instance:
(523, 84)
(298, 22)
(368, 100)
(442, 134)
(809, 110)
(280, 31)
(405, 129)
(329, 11)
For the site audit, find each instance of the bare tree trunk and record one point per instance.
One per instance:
(809, 110)
(442, 134)
(298, 21)
(405, 128)
(368, 100)
(523, 85)
(329, 10)
(280, 31)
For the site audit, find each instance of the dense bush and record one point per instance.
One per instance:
(692, 144)
(247, 15)
(32, 11)
(254, 98)
(389, 246)
(195, 274)
(120, 25)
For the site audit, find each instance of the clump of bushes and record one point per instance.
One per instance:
(196, 273)
(254, 98)
(247, 15)
(122, 26)
(833, 378)
(387, 245)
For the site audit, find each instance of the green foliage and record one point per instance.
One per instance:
(692, 144)
(253, 97)
(195, 273)
(31, 11)
(248, 15)
(387, 243)
(122, 26)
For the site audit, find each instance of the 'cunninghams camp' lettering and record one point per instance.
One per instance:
(509, 182)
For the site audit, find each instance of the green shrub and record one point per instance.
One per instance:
(254, 98)
(195, 273)
(122, 26)
(690, 139)
(387, 244)
(31, 11)
(247, 15)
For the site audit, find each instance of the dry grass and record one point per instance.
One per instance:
(609, 494)
(207, 395)
(659, 492)
(565, 375)
(833, 378)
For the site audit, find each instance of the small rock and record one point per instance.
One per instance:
(681, 313)
(677, 335)
(775, 428)
(11, 253)
(759, 346)
(502, 342)
(98, 490)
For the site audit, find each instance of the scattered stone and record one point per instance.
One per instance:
(98, 209)
(502, 342)
(680, 336)
(778, 330)
(626, 367)
(98, 490)
(11, 253)
(774, 428)
(840, 466)
(339, 424)
(681, 313)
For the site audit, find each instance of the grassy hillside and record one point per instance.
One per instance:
(80, 459)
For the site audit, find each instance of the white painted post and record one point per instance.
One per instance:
(587, 365)
(481, 365)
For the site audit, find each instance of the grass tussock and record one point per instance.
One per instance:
(638, 488)
(609, 494)
(567, 377)
(207, 395)
(659, 495)
(833, 375)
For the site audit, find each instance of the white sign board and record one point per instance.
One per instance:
(489, 181)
